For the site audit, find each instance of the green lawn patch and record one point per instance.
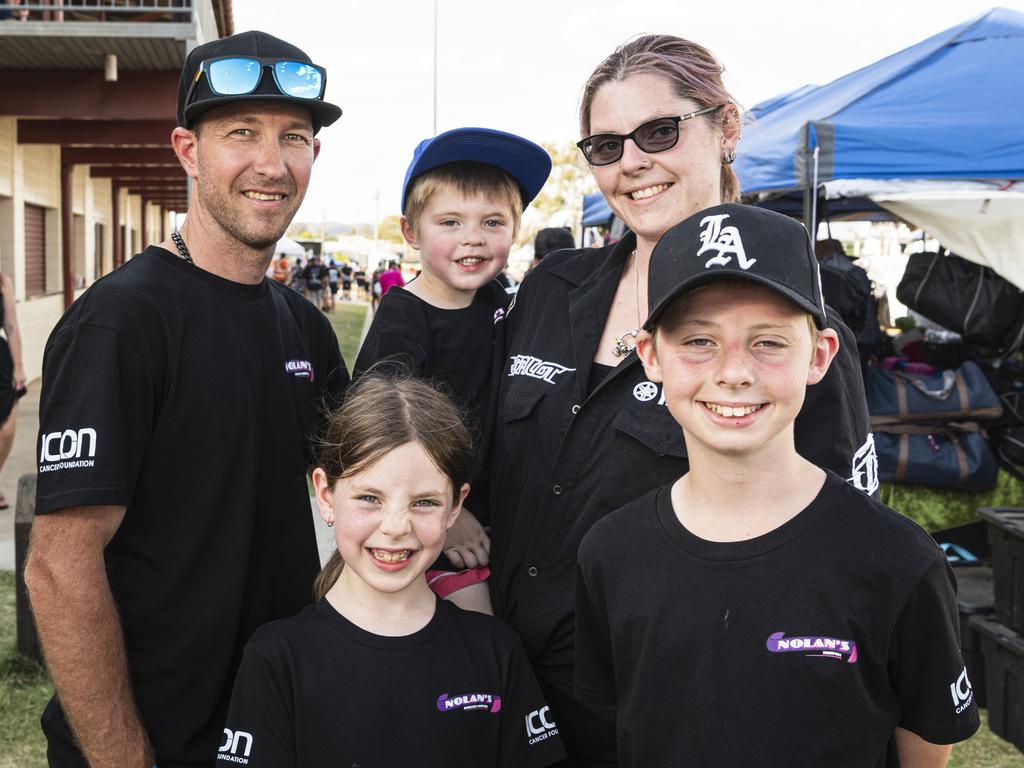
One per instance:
(24, 691)
(937, 508)
(347, 319)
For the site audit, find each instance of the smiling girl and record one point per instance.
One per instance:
(379, 670)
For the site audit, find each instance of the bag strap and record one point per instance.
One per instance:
(962, 391)
(904, 457)
(946, 428)
(961, 460)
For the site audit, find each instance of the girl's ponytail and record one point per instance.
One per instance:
(328, 575)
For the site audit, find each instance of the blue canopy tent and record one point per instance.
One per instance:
(948, 108)
(596, 212)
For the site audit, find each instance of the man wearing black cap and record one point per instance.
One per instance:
(173, 514)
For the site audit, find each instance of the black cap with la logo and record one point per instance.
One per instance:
(735, 242)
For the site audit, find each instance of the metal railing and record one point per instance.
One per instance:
(96, 10)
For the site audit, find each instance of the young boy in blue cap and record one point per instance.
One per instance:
(463, 196)
(760, 611)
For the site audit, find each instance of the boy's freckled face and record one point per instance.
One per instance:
(735, 361)
(463, 241)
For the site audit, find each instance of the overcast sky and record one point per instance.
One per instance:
(520, 65)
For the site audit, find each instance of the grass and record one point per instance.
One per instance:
(347, 319)
(25, 689)
(935, 508)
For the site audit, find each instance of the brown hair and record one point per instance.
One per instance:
(382, 411)
(469, 179)
(692, 70)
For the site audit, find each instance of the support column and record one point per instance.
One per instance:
(143, 225)
(115, 223)
(67, 228)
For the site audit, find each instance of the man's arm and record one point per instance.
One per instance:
(81, 633)
(915, 752)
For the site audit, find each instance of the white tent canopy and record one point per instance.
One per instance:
(288, 247)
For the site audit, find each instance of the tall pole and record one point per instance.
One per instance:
(435, 67)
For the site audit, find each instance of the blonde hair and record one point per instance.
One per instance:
(470, 179)
(383, 411)
(690, 68)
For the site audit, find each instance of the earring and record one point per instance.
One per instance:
(728, 156)
(330, 523)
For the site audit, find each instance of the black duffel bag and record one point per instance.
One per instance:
(941, 457)
(984, 308)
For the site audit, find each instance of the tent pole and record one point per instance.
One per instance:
(813, 228)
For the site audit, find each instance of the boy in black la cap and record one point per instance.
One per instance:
(180, 522)
(759, 610)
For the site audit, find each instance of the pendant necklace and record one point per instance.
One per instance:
(183, 250)
(619, 347)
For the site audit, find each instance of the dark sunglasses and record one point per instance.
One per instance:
(653, 136)
(240, 75)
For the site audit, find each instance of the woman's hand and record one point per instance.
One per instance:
(467, 544)
(18, 379)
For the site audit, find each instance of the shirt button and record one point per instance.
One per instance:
(557, 490)
(532, 571)
(576, 409)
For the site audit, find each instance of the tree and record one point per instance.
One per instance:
(391, 229)
(560, 202)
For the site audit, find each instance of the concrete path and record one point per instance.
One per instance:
(22, 461)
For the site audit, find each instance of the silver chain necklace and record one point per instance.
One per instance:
(180, 245)
(619, 347)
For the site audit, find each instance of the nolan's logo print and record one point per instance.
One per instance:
(962, 692)
(645, 390)
(725, 240)
(488, 702)
(69, 449)
(301, 369)
(540, 726)
(809, 645)
(865, 467)
(535, 368)
(236, 747)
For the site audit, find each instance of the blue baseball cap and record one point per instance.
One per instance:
(520, 158)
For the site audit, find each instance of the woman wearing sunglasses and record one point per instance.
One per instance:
(580, 429)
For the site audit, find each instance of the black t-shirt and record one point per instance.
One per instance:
(317, 690)
(808, 645)
(565, 453)
(456, 349)
(314, 275)
(187, 398)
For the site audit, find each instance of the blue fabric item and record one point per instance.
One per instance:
(946, 108)
(526, 162)
(596, 212)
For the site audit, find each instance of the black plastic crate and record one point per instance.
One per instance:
(1003, 650)
(974, 597)
(1006, 535)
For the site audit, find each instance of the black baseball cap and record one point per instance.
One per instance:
(257, 44)
(735, 242)
(528, 163)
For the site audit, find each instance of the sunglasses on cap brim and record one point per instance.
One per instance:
(654, 136)
(241, 75)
